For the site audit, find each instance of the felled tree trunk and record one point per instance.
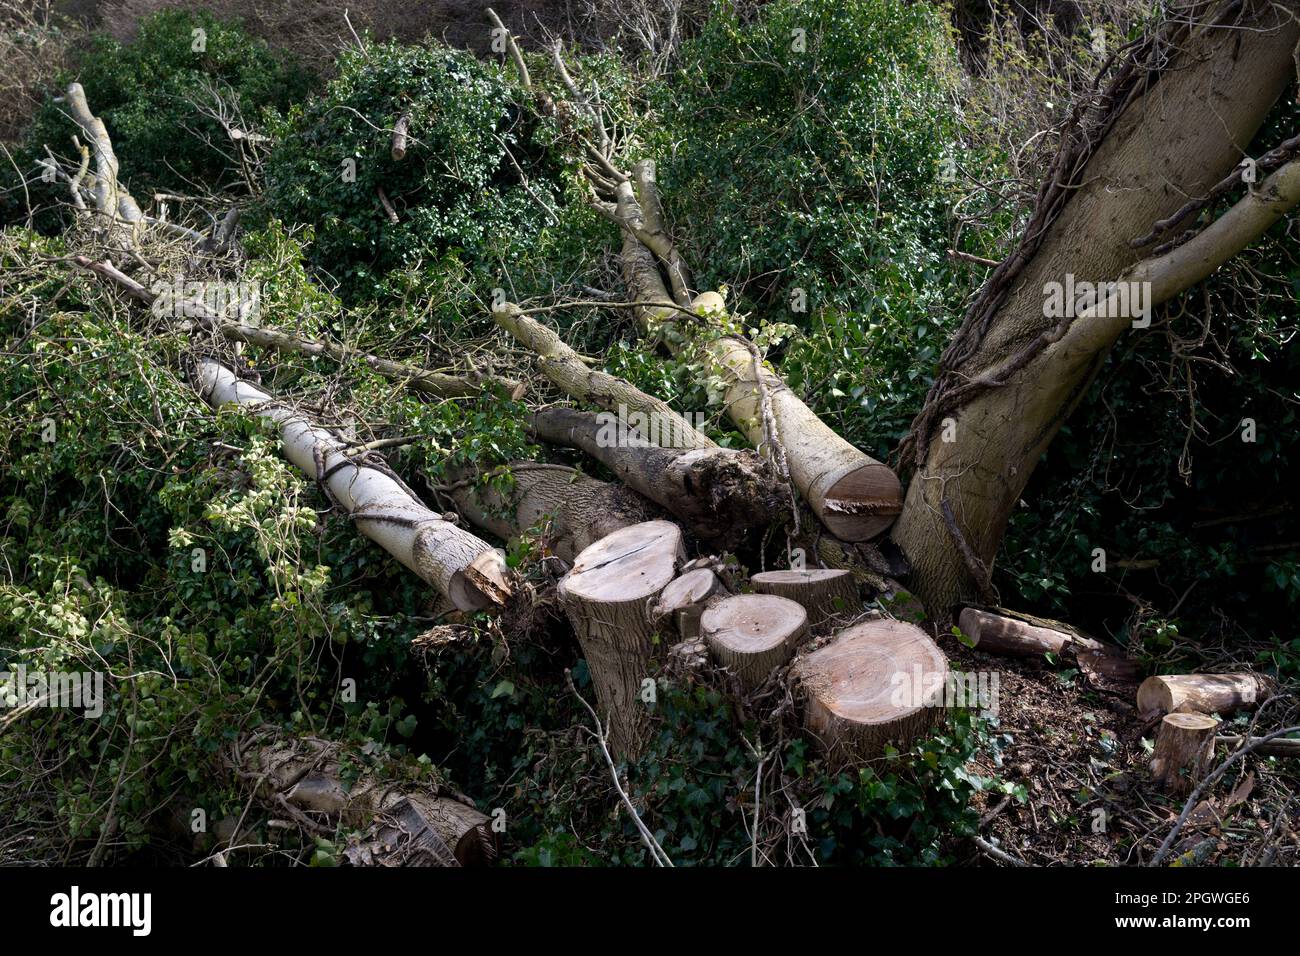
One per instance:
(607, 597)
(574, 509)
(1202, 693)
(462, 567)
(753, 634)
(823, 592)
(1183, 749)
(854, 496)
(877, 683)
(719, 493)
(1019, 372)
(998, 634)
(406, 824)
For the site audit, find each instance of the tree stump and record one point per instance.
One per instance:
(877, 682)
(823, 592)
(1202, 693)
(685, 599)
(607, 597)
(1183, 750)
(752, 634)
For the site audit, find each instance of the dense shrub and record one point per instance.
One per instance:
(473, 187)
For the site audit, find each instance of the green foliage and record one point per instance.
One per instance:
(472, 188)
(148, 93)
(801, 158)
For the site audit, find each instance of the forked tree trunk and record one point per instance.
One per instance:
(824, 593)
(877, 683)
(1202, 693)
(719, 493)
(461, 566)
(753, 634)
(1160, 152)
(1183, 749)
(607, 597)
(572, 509)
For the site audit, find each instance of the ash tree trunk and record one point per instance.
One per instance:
(1013, 374)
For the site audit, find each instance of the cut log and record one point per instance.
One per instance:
(753, 634)
(997, 634)
(1202, 693)
(876, 683)
(719, 493)
(579, 509)
(1183, 749)
(607, 597)
(460, 565)
(408, 824)
(823, 592)
(684, 601)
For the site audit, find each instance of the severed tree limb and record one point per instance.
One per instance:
(569, 373)
(440, 384)
(852, 494)
(511, 47)
(464, 568)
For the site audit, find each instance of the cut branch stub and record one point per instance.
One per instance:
(997, 634)
(752, 634)
(1183, 749)
(823, 592)
(607, 597)
(685, 600)
(1202, 693)
(460, 565)
(875, 683)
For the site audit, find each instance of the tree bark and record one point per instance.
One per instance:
(575, 509)
(607, 597)
(462, 567)
(719, 493)
(753, 634)
(873, 684)
(823, 593)
(1159, 151)
(1183, 749)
